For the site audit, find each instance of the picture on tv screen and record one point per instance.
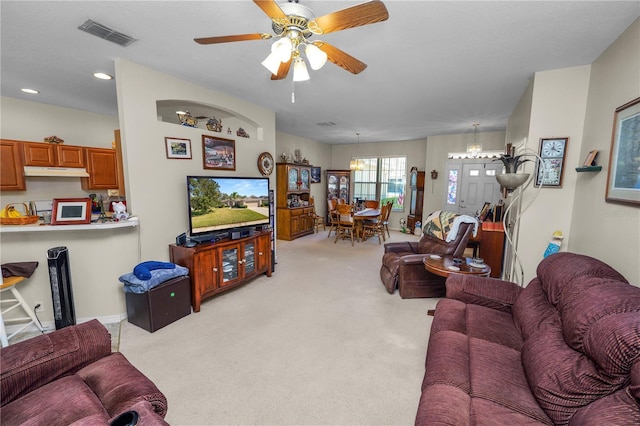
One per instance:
(217, 203)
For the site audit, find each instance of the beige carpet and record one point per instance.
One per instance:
(321, 342)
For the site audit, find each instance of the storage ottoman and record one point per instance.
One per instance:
(160, 306)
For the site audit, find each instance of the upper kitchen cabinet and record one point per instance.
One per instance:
(40, 154)
(11, 174)
(102, 166)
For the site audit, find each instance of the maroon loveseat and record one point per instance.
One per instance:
(563, 350)
(71, 377)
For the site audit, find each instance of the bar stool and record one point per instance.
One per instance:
(9, 284)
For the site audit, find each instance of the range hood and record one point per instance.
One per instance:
(55, 171)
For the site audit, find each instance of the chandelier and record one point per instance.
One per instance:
(474, 148)
(293, 36)
(356, 164)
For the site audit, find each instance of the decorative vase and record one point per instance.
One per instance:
(512, 181)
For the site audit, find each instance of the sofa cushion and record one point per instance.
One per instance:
(61, 402)
(592, 347)
(532, 312)
(119, 384)
(559, 270)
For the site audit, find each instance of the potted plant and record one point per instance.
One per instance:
(511, 179)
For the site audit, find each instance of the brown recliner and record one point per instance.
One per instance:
(403, 267)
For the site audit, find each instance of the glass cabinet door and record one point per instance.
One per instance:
(344, 188)
(229, 264)
(332, 186)
(249, 257)
(293, 179)
(305, 178)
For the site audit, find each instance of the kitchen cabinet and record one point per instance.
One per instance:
(52, 155)
(293, 212)
(102, 166)
(338, 186)
(11, 174)
(416, 194)
(221, 266)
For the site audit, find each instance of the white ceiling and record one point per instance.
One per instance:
(434, 67)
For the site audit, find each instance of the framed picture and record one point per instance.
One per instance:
(316, 173)
(218, 153)
(553, 153)
(178, 148)
(71, 211)
(623, 179)
(591, 158)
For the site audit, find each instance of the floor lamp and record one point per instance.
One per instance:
(516, 182)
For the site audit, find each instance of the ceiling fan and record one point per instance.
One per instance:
(293, 25)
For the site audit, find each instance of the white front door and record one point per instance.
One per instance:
(476, 185)
(479, 186)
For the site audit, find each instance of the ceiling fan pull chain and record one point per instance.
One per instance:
(293, 92)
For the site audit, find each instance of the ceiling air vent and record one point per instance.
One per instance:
(104, 32)
(326, 123)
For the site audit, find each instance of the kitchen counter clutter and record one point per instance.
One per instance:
(132, 222)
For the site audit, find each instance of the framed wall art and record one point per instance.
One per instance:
(71, 211)
(316, 173)
(553, 152)
(178, 148)
(623, 179)
(218, 153)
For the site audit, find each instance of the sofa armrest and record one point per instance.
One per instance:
(27, 365)
(490, 292)
(119, 385)
(401, 247)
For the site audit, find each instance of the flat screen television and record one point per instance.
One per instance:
(219, 204)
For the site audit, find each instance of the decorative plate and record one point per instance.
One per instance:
(265, 163)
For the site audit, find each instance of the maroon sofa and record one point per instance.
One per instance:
(563, 350)
(71, 377)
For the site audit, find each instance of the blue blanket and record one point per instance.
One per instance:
(133, 284)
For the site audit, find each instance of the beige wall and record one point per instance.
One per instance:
(156, 186)
(557, 110)
(610, 232)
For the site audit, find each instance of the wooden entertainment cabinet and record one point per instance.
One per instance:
(223, 265)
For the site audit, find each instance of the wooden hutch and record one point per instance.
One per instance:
(294, 215)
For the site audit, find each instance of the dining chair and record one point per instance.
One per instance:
(375, 227)
(317, 219)
(371, 204)
(385, 219)
(333, 215)
(346, 225)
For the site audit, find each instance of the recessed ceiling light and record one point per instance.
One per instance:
(102, 76)
(31, 91)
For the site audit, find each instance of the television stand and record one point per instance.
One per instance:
(216, 267)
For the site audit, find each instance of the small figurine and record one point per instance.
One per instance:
(554, 244)
(119, 211)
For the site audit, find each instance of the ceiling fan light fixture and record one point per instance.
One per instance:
(282, 49)
(317, 58)
(300, 72)
(272, 63)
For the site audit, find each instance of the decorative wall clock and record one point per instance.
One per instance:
(265, 163)
(553, 153)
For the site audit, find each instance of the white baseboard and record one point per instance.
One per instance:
(51, 325)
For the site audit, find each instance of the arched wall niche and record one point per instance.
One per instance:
(209, 118)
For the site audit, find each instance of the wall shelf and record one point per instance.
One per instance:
(132, 222)
(589, 169)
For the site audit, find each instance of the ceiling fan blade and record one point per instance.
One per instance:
(341, 58)
(271, 8)
(227, 39)
(356, 16)
(283, 70)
